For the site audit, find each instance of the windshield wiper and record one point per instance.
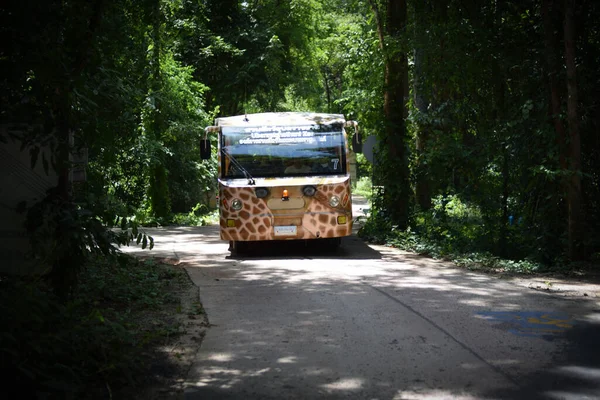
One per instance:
(239, 166)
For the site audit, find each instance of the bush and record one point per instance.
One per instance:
(200, 215)
(364, 187)
(94, 343)
(454, 225)
(452, 229)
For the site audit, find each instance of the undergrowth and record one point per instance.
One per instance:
(93, 345)
(194, 219)
(363, 187)
(451, 230)
(199, 215)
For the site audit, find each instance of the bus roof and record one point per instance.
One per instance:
(280, 118)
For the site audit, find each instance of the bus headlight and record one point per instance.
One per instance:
(309, 191)
(236, 204)
(334, 201)
(261, 192)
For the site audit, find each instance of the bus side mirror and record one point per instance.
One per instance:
(356, 139)
(205, 149)
(356, 143)
(205, 143)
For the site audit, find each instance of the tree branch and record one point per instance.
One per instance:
(378, 22)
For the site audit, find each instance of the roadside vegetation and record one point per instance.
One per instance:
(486, 116)
(455, 231)
(491, 108)
(200, 215)
(104, 342)
(364, 187)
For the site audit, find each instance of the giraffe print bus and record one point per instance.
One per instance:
(283, 176)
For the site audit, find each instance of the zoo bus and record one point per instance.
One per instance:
(283, 176)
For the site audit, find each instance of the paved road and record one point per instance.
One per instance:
(370, 322)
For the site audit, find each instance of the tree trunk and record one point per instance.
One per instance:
(395, 172)
(574, 185)
(555, 106)
(327, 89)
(423, 187)
(423, 184)
(502, 242)
(503, 144)
(159, 190)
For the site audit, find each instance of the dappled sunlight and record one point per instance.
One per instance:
(311, 273)
(287, 360)
(507, 362)
(345, 384)
(437, 394)
(469, 366)
(577, 371)
(474, 302)
(364, 321)
(213, 375)
(305, 352)
(221, 357)
(565, 395)
(582, 383)
(226, 378)
(593, 318)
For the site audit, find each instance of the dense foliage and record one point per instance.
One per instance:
(96, 345)
(487, 115)
(493, 160)
(484, 107)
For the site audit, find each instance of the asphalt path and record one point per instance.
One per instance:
(296, 321)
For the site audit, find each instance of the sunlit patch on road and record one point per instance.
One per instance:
(541, 324)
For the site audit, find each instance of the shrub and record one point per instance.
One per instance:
(93, 343)
(364, 187)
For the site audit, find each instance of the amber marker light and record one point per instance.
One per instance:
(345, 201)
(231, 223)
(285, 196)
(341, 219)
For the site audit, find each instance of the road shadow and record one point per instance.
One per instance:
(261, 358)
(575, 374)
(351, 247)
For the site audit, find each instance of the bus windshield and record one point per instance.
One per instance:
(276, 151)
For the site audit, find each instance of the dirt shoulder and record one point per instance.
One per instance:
(171, 362)
(582, 285)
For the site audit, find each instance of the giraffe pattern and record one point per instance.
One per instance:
(313, 217)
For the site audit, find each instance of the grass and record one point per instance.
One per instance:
(452, 230)
(200, 215)
(191, 219)
(455, 248)
(99, 343)
(363, 187)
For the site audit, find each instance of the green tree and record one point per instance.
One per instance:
(392, 31)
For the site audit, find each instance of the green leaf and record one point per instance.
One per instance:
(145, 242)
(45, 163)
(34, 153)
